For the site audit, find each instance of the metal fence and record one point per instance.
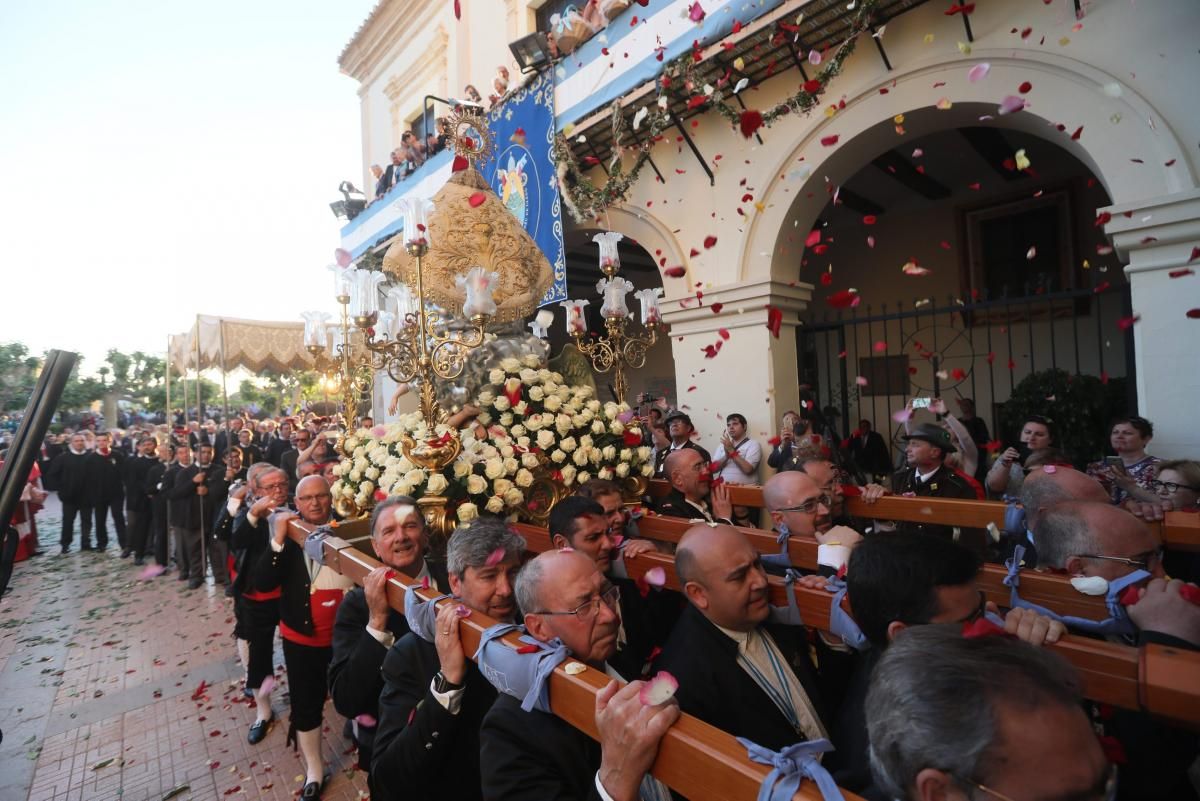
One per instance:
(867, 361)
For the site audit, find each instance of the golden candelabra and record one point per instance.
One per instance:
(621, 348)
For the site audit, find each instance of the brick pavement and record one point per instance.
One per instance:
(99, 672)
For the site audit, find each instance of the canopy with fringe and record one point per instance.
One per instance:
(228, 343)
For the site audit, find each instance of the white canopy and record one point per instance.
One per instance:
(227, 343)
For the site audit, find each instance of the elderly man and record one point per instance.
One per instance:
(189, 513)
(736, 670)
(799, 506)
(69, 475)
(680, 429)
(367, 626)
(259, 607)
(137, 497)
(953, 719)
(1045, 487)
(1096, 540)
(581, 524)
(692, 489)
(434, 698)
(532, 756)
(307, 608)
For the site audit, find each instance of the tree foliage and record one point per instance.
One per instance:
(1080, 407)
(18, 375)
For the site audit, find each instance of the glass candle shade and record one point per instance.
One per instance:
(576, 321)
(478, 284)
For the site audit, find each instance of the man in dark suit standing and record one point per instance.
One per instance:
(680, 429)
(280, 443)
(736, 670)
(227, 437)
(692, 489)
(68, 474)
(159, 479)
(106, 467)
(137, 499)
(393, 174)
(434, 698)
(187, 498)
(533, 756)
(367, 626)
(927, 475)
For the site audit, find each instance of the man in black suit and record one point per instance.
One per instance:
(367, 626)
(927, 475)
(301, 439)
(280, 443)
(393, 174)
(434, 698)
(533, 756)
(68, 475)
(106, 467)
(736, 670)
(581, 523)
(680, 429)
(187, 496)
(692, 493)
(869, 450)
(159, 479)
(228, 436)
(137, 498)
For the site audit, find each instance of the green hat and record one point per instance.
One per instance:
(933, 434)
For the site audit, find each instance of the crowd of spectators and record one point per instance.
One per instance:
(911, 697)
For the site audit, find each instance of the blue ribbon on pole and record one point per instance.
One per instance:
(522, 676)
(789, 766)
(420, 614)
(840, 623)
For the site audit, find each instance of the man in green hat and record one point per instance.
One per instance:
(927, 475)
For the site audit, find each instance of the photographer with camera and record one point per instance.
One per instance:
(1007, 474)
(795, 443)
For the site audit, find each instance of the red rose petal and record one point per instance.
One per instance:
(674, 272)
(529, 648)
(709, 241)
(826, 279)
(774, 320)
(1193, 314)
(1190, 593)
(716, 307)
(869, 219)
(1195, 255)
(829, 141)
(811, 86)
(476, 200)
(1181, 273)
(750, 121)
(843, 300)
(1125, 323)
(1025, 87)
(1129, 597)
(814, 237)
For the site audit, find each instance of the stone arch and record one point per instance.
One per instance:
(1115, 130)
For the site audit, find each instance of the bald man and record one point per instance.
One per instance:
(1045, 487)
(692, 495)
(736, 670)
(801, 507)
(1097, 539)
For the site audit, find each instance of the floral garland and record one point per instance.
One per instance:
(532, 424)
(585, 201)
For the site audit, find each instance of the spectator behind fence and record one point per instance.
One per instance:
(996, 719)
(1007, 473)
(1130, 472)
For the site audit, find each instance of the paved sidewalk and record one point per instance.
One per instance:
(113, 687)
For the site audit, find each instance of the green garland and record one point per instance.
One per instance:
(585, 201)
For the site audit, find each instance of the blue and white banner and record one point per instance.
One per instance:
(588, 79)
(521, 171)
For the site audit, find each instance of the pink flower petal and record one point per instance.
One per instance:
(342, 257)
(902, 415)
(978, 72)
(495, 557)
(659, 689)
(1011, 104)
(656, 577)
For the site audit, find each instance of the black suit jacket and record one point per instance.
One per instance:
(647, 622)
(674, 504)
(421, 750)
(535, 756)
(188, 509)
(137, 496)
(714, 688)
(248, 542)
(276, 449)
(660, 458)
(355, 681)
(945, 483)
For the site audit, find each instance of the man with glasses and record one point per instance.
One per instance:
(985, 719)
(800, 507)
(1096, 540)
(737, 670)
(259, 613)
(434, 698)
(531, 756)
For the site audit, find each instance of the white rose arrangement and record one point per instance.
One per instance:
(532, 427)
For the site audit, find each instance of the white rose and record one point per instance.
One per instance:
(486, 397)
(561, 420)
(366, 488)
(644, 452)
(402, 487)
(609, 453)
(593, 405)
(493, 468)
(529, 460)
(476, 485)
(585, 393)
(625, 455)
(558, 456)
(523, 442)
(511, 465)
(496, 376)
(483, 418)
(579, 421)
(467, 512)
(501, 486)
(552, 403)
(536, 394)
(510, 365)
(371, 473)
(524, 478)
(594, 456)
(359, 453)
(347, 491)
(534, 423)
(528, 376)
(605, 473)
(611, 411)
(462, 469)
(507, 451)
(351, 443)
(563, 393)
(501, 403)
(598, 427)
(545, 375)
(521, 408)
(616, 427)
(506, 419)
(581, 457)
(495, 504)
(416, 477)
(622, 470)
(514, 497)
(647, 470)
(545, 439)
(550, 387)
(569, 444)
(531, 360)
(585, 441)
(437, 484)
(517, 431)
(584, 476)
(356, 475)
(568, 474)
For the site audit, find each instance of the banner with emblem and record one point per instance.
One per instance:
(521, 171)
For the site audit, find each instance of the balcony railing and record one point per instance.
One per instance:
(382, 218)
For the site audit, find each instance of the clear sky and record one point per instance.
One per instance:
(160, 159)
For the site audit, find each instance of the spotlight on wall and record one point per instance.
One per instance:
(532, 52)
(351, 205)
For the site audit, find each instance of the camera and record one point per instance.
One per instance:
(921, 403)
(644, 398)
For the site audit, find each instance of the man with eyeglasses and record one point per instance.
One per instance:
(800, 507)
(259, 613)
(581, 524)
(981, 719)
(899, 580)
(367, 626)
(1096, 540)
(434, 698)
(310, 595)
(532, 756)
(737, 670)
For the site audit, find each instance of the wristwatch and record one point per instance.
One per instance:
(443, 685)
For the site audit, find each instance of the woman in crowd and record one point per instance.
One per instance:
(797, 442)
(1132, 469)
(1007, 474)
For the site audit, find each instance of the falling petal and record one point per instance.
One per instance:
(860, 380)
(495, 557)
(641, 115)
(902, 415)
(1112, 89)
(574, 668)
(978, 72)
(1011, 104)
(740, 85)
(1031, 253)
(1021, 159)
(656, 577)
(944, 104)
(829, 141)
(870, 241)
(659, 689)
(814, 57)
